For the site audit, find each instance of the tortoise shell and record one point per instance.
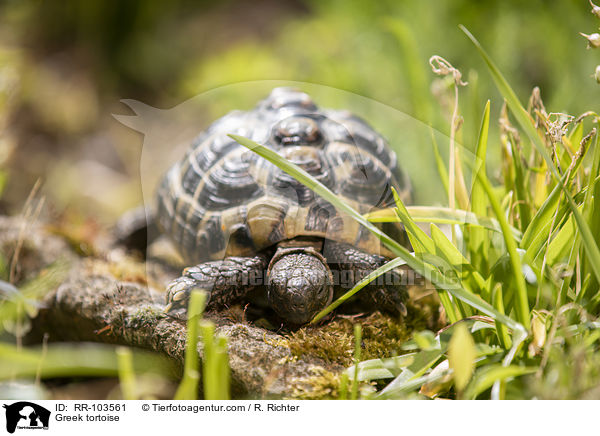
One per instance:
(223, 200)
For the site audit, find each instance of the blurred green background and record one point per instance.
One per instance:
(65, 65)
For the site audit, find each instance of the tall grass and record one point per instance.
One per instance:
(525, 259)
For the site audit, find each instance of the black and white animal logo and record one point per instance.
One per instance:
(26, 415)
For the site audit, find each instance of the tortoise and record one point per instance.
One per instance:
(248, 227)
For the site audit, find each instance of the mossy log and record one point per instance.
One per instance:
(98, 308)
(104, 300)
(112, 298)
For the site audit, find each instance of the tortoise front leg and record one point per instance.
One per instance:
(225, 281)
(386, 293)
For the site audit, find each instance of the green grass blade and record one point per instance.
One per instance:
(188, 388)
(477, 235)
(591, 205)
(17, 303)
(441, 167)
(485, 377)
(575, 137)
(222, 368)
(126, 373)
(446, 301)
(456, 262)
(215, 364)
(418, 265)
(539, 228)
(462, 196)
(424, 246)
(522, 302)
(419, 240)
(501, 331)
(515, 106)
(357, 352)
(401, 388)
(454, 257)
(411, 377)
(376, 369)
(74, 360)
(587, 237)
(343, 387)
(528, 126)
(565, 287)
(441, 215)
(563, 241)
(394, 263)
(522, 201)
(595, 171)
(210, 371)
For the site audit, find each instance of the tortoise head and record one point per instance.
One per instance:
(299, 284)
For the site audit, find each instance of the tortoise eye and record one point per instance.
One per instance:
(297, 131)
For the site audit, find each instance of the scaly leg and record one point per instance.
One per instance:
(225, 281)
(386, 293)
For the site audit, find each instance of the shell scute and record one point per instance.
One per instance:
(222, 199)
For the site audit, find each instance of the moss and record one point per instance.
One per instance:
(146, 316)
(383, 335)
(330, 343)
(325, 385)
(321, 385)
(334, 341)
